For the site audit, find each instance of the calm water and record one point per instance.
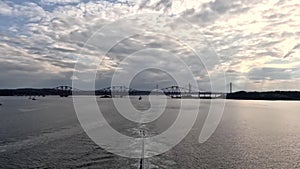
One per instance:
(252, 134)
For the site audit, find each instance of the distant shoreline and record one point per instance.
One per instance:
(240, 95)
(268, 95)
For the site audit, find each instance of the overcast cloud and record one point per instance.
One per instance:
(257, 42)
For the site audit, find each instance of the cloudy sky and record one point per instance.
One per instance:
(253, 43)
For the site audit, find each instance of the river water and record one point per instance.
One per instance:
(46, 133)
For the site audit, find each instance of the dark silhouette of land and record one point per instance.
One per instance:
(56, 92)
(241, 95)
(268, 95)
(27, 92)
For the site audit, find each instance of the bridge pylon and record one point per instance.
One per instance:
(63, 91)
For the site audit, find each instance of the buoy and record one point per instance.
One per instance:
(140, 98)
(0, 104)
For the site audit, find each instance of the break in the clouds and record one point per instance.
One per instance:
(257, 42)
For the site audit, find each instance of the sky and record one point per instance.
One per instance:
(255, 44)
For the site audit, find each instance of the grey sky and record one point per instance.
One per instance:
(257, 42)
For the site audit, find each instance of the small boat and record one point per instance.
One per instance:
(33, 99)
(0, 104)
(106, 96)
(176, 97)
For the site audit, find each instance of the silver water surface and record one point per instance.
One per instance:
(252, 134)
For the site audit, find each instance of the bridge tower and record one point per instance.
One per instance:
(63, 91)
